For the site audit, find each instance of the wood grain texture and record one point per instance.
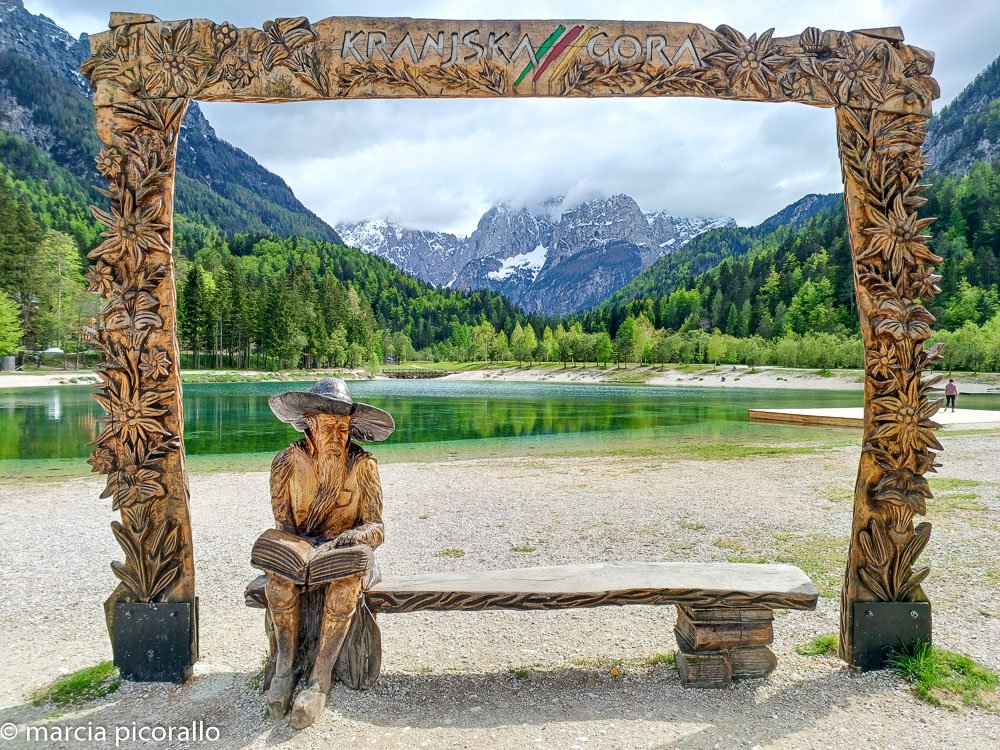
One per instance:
(894, 276)
(291, 59)
(597, 585)
(717, 634)
(140, 447)
(714, 645)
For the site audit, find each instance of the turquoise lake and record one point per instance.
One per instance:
(45, 430)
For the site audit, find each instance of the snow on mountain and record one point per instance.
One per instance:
(431, 256)
(532, 262)
(543, 258)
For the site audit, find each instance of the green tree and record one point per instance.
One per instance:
(530, 345)
(547, 347)
(10, 325)
(624, 340)
(517, 343)
(732, 320)
(523, 343)
(196, 311)
(501, 346)
(643, 339)
(483, 336)
(603, 349)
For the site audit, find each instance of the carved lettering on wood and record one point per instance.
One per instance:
(338, 58)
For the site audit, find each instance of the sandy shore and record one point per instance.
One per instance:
(724, 376)
(49, 379)
(510, 679)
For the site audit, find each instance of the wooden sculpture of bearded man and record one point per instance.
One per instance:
(327, 502)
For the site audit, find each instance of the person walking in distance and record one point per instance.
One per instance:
(950, 394)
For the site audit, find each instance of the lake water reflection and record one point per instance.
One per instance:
(435, 419)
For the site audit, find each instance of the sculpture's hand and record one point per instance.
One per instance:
(347, 538)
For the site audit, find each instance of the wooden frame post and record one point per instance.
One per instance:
(144, 71)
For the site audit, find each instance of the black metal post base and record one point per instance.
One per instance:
(880, 627)
(155, 642)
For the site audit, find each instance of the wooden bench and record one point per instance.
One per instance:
(724, 610)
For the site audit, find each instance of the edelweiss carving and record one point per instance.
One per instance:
(363, 57)
(144, 71)
(882, 165)
(154, 59)
(141, 437)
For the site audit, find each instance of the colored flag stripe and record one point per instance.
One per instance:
(541, 52)
(571, 53)
(558, 50)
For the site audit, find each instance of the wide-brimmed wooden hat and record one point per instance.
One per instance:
(330, 396)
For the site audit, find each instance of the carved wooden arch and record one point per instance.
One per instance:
(144, 72)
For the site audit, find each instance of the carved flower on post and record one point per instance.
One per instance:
(110, 163)
(750, 62)
(883, 362)
(224, 36)
(137, 479)
(811, 41)
(155, 364)
(904, 417)
(102, 461)
(134, 418)
(924, 284)
(287, 43)
(286, 35)
(896, 236)
(132, 231)
(100, 279)
(889, 554)
(239, 74)
(133, 312)
(902, 320)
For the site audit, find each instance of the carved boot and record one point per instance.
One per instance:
(279, 695)
(309, 704)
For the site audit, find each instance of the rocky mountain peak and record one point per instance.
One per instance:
(968, 129)
(42, 40)
(519, 230)
(600, 221)
(431, 256)
(545, 257)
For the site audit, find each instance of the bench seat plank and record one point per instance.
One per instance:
(599, 584)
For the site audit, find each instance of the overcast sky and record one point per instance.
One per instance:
(439, 164)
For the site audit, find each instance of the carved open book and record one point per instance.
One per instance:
(305, 563)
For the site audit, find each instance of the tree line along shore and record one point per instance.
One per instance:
(266, 303)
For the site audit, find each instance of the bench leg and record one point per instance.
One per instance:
(716, 644)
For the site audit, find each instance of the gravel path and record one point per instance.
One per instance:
(511, 679)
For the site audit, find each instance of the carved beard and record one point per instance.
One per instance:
(331, 456)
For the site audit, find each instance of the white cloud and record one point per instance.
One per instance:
(439, 164)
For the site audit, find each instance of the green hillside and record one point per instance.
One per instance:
(217, 184)
(246, 300)
(799, 283)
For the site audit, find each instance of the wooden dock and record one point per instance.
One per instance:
(854, 417)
